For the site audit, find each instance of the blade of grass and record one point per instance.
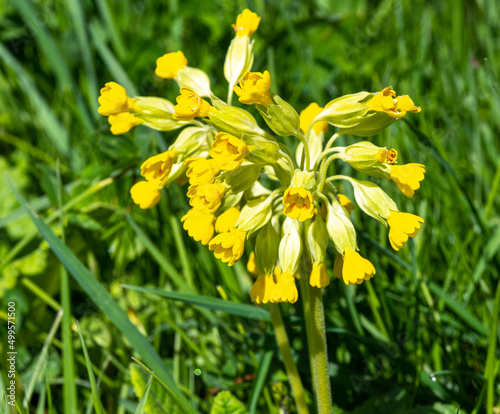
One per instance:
(158, 256)
(95, 394)
(141, 407)
(78, 18)
(41, 359)
(43, 113)
(490, 371)
(30, 236)
(69, 387)
(115, 36)
(233, 308)
(167, 388)
(264, 364)
(458, 309)
(49, 47)
(103, 300)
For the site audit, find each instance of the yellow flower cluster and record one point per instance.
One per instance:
(244, 183)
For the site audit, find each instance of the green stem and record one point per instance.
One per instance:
(316, 340)
(306, 155)
(286, 353)
(331, 141)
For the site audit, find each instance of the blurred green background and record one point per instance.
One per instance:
(421, 337)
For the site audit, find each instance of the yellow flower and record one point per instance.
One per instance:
(252, 266)
(206, 197)
(123, 122)
(403, 225)
(226, 221)
(190, 105)
(254, 88)
(146, 194)
(246, 23)
(201, 171)
(285, 289)
(228, 151)
(386, 101)
(114, 100)
(319, 276)
(228, 247)
(200, 226)
(262, 289)
(345, 202)
(387, 156)
(356, 268)
(158, 168)
(298, 203)
(168, 65)
(408, 177)
(308, 114)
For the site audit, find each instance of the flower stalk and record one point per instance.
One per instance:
(286, 354)
(316, 340)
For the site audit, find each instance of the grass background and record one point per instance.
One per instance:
(421, 337)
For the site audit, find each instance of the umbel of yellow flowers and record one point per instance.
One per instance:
(229, 161)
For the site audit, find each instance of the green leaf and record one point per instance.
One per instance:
(460, 310)
(227, 403)
(95, 393)
(233, 308)
(105, 303)
(141, 407)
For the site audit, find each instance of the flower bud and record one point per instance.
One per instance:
(242, 179)
(266, 248)
(157, 113)
(255, 214)
(340, 228)
(239, 59)
(281, 117)
(193, 141)
(317, 239)
(235, 121)
(368, 158)
(194, 79)
(290, 249)
(263, 151)
(373, 200)
(303, 179)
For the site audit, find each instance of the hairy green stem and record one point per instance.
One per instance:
(316, 341)
(286, 353)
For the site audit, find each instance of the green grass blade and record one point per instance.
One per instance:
(41, 359)
(95, 394)
(158, 256)
(69, 386)
(490, 371)
(166, 387)
(54, 56)
(77, 15)
(103, 299)
(264, 364)
(115, 68)
(458, 309)
(43, 113)
(233, 308)
(141, 407)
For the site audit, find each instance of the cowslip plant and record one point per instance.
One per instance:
(248, 189)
